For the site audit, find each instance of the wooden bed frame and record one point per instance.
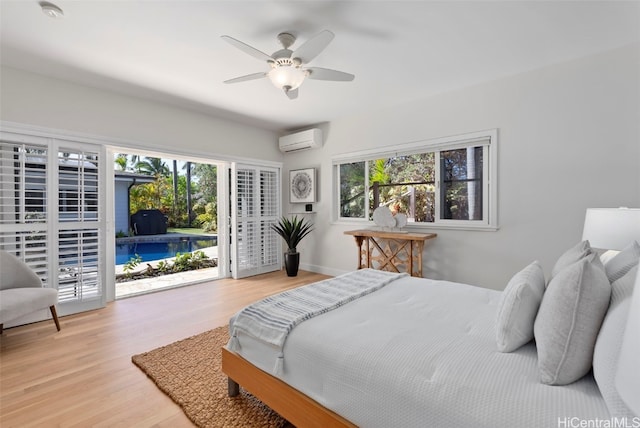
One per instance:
(288, 402)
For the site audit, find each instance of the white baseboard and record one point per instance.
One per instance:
(322, 269)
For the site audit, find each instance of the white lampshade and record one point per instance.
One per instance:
(628, 375)
(286, 75)
(611, 228)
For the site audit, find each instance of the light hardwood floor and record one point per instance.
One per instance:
(83, 376)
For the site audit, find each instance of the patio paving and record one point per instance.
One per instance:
(149, 285)
(162, 282)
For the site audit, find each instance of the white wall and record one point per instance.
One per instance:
(128, 122)
(121, 206)
(569, 139)
(33, 99)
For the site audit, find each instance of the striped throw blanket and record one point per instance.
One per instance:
(271, 319)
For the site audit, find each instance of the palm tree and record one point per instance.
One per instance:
(188, 166)
(121, 161)
(175, 187)
(153, 166)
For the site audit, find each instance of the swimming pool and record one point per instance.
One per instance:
(158, 250)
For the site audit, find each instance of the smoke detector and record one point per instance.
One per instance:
(51, 10)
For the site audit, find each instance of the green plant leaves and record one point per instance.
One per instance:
(292, 231)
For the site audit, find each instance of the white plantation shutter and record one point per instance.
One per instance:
(269, 213)
(77, 186)
(78, 258)
(23, 191)
(79, 234)
(23, 204)
(246, 236)
(50, 198)
(255, 200)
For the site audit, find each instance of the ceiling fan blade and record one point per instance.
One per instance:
(247, 49)
(312, 47)
(292, 94)
(318, 73)
(252, 76)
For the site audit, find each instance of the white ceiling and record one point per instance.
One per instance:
(171, 51)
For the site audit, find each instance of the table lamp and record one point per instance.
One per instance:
(611, 228)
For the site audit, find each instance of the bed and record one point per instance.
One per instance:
(415, 352)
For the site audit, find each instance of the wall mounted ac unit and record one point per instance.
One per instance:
(309, 139)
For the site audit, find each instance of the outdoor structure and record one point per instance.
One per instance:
(124, 181)
(149, 222)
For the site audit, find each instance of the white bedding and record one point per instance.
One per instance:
(421, 353)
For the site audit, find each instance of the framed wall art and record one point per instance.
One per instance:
(302, 183)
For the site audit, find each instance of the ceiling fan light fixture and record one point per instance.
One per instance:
(288, 67)
(287, 75)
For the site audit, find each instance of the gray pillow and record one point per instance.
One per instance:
(569, 257)
(609, 342)
(626, 259)
(569, 319)
(518, 308)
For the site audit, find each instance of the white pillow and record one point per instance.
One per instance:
(518, 308)
(607, 349)
(626, 259)
(607, 256)
(569, 257)
(569, 319)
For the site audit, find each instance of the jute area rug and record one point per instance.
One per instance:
(190, 373)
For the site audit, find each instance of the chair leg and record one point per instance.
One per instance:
(54, 314)
(1, 328)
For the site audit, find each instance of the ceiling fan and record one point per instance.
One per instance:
(288, 69)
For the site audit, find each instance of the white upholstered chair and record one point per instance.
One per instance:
(21, 291)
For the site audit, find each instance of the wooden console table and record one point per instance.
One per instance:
(390, 251)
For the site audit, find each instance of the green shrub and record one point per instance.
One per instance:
(189, 261)
(131, 264)
(164, 266)
(208, 220)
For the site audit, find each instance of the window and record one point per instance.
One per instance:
(447, 182)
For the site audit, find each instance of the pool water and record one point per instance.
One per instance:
(150, 251)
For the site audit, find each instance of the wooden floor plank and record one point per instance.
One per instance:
(83, 376)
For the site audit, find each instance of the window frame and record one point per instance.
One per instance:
(488, 139)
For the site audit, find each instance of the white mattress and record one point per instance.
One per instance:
(422, 353)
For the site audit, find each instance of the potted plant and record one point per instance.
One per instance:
(292, 231)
